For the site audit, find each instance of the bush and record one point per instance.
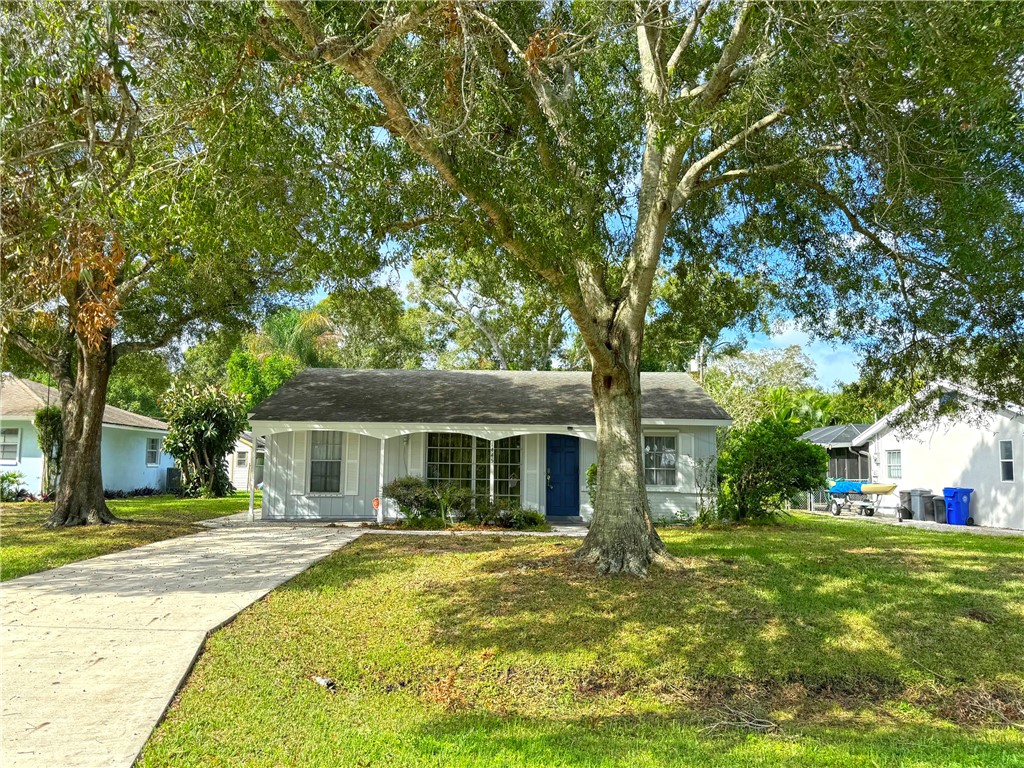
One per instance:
(11, 486)
(111, 494)
(762, 465)
(202, 426)
(427, 506)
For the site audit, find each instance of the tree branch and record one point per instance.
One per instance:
(689, 180)
(687, 38)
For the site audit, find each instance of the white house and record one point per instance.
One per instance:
(971, 449)
(335, 438)
(241, 461)
(131, 448)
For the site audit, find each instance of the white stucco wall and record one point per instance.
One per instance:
(122, 453)
(962, 453)
(30, 458)
(286, 478)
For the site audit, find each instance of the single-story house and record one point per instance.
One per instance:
(968, 449)
(131, 450)
(245, 458)
(336, 437)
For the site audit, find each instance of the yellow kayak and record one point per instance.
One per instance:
(882, 488)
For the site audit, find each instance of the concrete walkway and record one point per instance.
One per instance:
(93, 652)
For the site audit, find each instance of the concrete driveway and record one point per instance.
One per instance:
(93, 652)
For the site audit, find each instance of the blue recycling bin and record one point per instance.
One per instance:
(958, 505)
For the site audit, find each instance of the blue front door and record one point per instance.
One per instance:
(563, 476)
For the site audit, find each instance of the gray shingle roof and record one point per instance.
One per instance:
(21, 398)
(471, 397)
(839, 435)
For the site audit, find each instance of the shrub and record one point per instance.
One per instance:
(50, 436)
(112, 494)
(509, 514)
(203, 424)
(11, 486)
(762, 465)
(413, 497)
(419, 501)
(427, 506)
(592, 483)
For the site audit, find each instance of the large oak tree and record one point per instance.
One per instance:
(866, 154)
(152, 186)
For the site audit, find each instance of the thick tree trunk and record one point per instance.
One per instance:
(80, 493)
(622, 538)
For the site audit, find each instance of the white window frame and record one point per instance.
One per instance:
(1004, 462)
(340, 462)
(515, 470)
(677, 438)
(889, 454)
(16, 443)
(156, 462)
(241, 459)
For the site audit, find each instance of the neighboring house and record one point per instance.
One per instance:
(335, 437)
(967, 450)
(845, 462)
(240, 459)
(131, 448)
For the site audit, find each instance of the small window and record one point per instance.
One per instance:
(325, 462)
(10, 445)
(242, 459)
(660, 460)
(260, 458)
(1006, 460)
(894, 465)
(152, 451)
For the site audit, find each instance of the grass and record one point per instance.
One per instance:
(815, 642)
(27, 547)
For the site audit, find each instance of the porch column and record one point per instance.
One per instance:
(493, 485)
(252, 479)
(380, 484)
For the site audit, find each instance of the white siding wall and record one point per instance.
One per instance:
(692, 442)
(284, 491)
(962, 454)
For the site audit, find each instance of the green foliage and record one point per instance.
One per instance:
(138, 381)
(205, 362)
(203, 424)
(428, 506)
(49, 426)
(12, 486)
(743, 383)
(254, 378)
(477, 313)
(592, 483)
(762, 465)
(416, 499)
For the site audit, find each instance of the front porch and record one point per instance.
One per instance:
(338, 472)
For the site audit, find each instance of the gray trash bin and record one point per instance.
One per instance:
(920, 502)
(904, 513)
(939, 509)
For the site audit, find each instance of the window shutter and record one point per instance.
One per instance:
(299, 464)
(351, 464)
(531, 471)
(417, 454)
(687, 471)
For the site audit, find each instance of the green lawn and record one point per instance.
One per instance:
(855, 644)
(27, 547)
